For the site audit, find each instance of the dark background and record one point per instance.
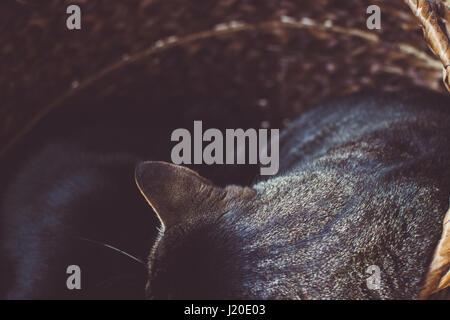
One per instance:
(267, 66)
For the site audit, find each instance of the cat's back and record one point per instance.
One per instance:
(364, 181)
(419, 118)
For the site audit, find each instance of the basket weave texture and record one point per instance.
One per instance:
(279, 55)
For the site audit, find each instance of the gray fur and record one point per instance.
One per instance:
(363, 181)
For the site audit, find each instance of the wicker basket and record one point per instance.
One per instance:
(279, 56)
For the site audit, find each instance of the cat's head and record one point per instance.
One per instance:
(186, 261)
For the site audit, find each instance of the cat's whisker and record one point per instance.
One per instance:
(113, 248)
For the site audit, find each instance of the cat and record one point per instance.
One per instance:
(82, 198)
(68, 196)
(364, 181)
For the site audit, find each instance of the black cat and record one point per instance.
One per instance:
(364, 181)
(68, 196)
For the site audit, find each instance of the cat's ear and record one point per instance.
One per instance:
(180, 195)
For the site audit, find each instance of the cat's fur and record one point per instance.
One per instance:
(52, 206)
(364, 181)
(69, 188)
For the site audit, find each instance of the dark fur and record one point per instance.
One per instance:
(72, 178)
(63, 196)
(364, 181)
